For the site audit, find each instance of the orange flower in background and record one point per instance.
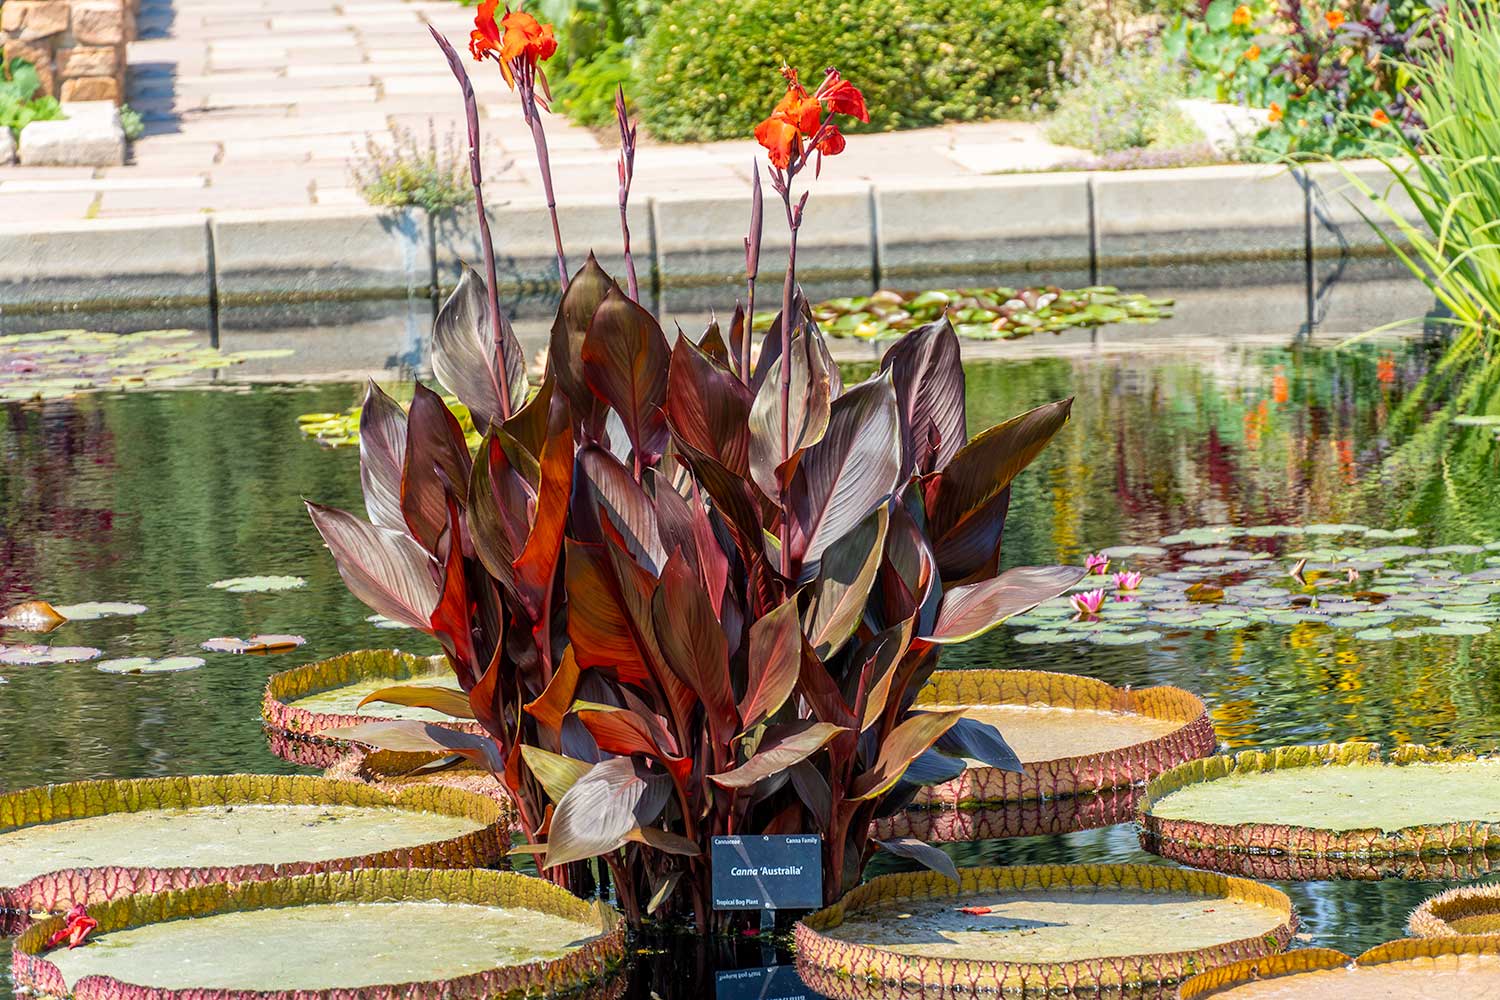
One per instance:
(1335, 19)
(1275, 114)
(518, 41)
(797, 120)
(1278, 387)
(1252, 53)
(1385, 369)
(1380, 117)
(1241, 16)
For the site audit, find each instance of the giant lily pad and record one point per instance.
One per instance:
(393, 769)
(1464, 968)
(302, 704)
(1034, 929)
(1073, 734)
(93, 840)
(1333, 800)
(375, 933)
(1468, 909)
(1027, 818)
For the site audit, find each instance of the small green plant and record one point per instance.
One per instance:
(430, 172)
(1124, 102)
(19, 105)
(131, 122)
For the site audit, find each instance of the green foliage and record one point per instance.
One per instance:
(431, 174)
(586, 91)
(709, 68)
(130, 121)
(1328, 75)
(1456, 184)
(19, 106)
(1124, 102)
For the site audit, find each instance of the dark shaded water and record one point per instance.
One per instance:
(150, 497)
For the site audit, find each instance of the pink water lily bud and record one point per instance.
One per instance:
(1088, 603)
(1097, 564)
(1128, 580)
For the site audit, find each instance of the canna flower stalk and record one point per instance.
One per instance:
(627, 174)
(752, 267)
(800, 130)
(1088, 603)
(520, 44)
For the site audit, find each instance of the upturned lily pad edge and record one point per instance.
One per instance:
(593, 960)
(294, 733)
(1432, 919)
(1086, 773)
(1202, 844)
(56, 891)
(1303, 960)
(851, 960)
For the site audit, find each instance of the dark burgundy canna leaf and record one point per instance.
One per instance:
(842, 587)
(622, 731)
(488, 378)
(529, 425)
(708, 407)
(585, 293)
(382, 455)
(612, 494)
(774, 665)
(665, 841)
(909, 584)
(437, 463)
(450, 618)
(385, 569)
(625, 362)
(812, 788)
(536, 565)
(783, 746)
(968, 486)
(410, 736)
(975, 608)
(807, 415)
(602, 809)
(879, 659)
(712, 344)
(928, 373)
(598, 623)
(975, 740)
(816, 686)
(502, 501)
(854, 468)
(900, 748)
(693, 644)
(971, 551)
(924, 854)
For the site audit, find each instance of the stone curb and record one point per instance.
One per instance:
(1136, 229)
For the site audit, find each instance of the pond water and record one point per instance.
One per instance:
(150, 497)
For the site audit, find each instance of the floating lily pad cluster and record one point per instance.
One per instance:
(1368, 581)
(982, 313)
(57, 364)
(340, 430)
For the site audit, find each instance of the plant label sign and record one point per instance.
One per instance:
(768, 872)
(771, 982)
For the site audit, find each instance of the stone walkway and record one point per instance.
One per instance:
(261, 104)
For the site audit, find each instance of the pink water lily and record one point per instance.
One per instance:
(1128, 580)
(1088, 603)
(1097, 564)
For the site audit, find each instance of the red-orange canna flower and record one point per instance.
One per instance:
(1380, 117)
(1335, 19)
(519, 40)
(797, 120)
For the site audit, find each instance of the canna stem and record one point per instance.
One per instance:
(627, 174)
(793, 221)
(752, 270)
(544, 164)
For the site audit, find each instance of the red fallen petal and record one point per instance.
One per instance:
(79, 930)
(976, 911)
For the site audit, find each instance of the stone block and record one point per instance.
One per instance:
(90, 60)
(1035, 224)
(7, 146)
(39, 54)
(101, 23)
(91, 88)
(104, 264)
(28, 20)
(301, 254)
(90, 136)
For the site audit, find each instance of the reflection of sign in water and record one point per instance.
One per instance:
(768, 872)
(773, 982)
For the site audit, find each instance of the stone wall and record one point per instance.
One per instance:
(77, 46)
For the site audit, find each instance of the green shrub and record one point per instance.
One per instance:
(709, 68)
(432, 174)
(19, 106)
(1124, 102)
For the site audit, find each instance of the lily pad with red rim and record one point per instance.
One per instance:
(1462, 968)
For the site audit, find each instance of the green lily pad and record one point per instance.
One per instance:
(1136, 638)
(258, 584)
(32, 655)
(91, 610)
(146, 665)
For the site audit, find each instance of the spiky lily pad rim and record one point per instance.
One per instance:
(860, 961)
(1030, 818)
(78, 800)
(590, 961)
(294, 732)
(1198, 843)
(830, 985)
(1324, 868)
(393, 770)
(1127, 765)
(1293, 963)
(1433, 918)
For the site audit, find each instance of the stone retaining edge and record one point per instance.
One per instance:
(1126, 228)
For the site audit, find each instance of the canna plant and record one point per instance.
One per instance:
(686, 595)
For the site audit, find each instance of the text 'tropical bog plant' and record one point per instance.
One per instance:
(687, 592)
